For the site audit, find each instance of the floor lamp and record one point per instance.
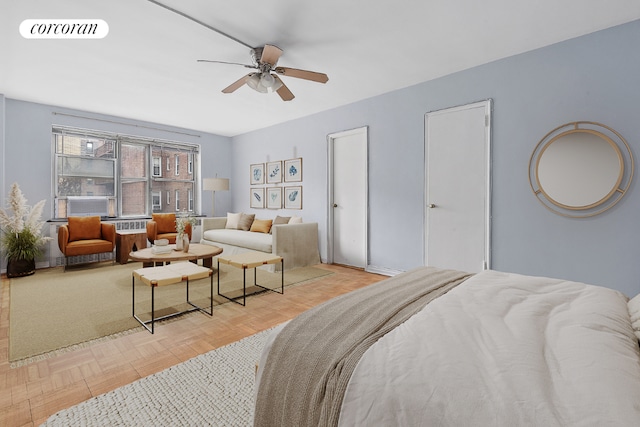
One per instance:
(215, 184)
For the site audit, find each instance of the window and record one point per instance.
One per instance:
(177, 160)
(156, 200)
(168, 164)
(80, 173)
(124, 170)
(134, 178)
(190, 164)
(157, 165)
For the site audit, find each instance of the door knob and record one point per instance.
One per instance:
(431, 205)
(335, 205)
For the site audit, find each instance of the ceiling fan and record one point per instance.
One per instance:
(266, 79)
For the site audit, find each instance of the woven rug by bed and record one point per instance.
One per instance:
(213, 389)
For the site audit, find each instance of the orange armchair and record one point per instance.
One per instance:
(85, 236)
(163, 226)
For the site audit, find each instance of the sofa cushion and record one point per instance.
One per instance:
(244, 239)
(84, 227)
(245, 221)
(166, 222)
(261, 225)
(295, 220)
(232, 220)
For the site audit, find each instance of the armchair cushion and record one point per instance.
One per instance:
(166, 222)
(84, 228)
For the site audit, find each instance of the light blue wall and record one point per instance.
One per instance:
(594, 77)
(2, 153)
(28, 148)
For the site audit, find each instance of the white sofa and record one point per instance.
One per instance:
(296, 243)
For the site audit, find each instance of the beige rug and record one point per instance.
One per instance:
(53, 310)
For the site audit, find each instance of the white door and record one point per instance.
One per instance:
(348, 157)
(457, 185)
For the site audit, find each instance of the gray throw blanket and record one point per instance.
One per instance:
(311, 361)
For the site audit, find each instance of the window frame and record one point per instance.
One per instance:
(153, 166)
(153, 182)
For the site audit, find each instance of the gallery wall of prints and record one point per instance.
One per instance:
(276, 185)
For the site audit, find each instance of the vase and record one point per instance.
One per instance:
(179, 241)
(185, 242)
(21, 267)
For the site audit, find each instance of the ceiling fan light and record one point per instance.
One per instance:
(254, 83)
(267, 80)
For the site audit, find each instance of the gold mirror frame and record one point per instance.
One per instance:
(616, 152)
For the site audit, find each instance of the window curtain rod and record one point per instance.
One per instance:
(123, 123)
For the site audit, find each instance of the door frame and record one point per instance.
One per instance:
(488, 107)
(330, 194)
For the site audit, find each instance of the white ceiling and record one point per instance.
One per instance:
(146, 67)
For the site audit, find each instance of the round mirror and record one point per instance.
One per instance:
(578, 169)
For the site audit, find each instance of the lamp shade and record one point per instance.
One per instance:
(215, 184)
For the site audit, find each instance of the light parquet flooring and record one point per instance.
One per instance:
(31, 393)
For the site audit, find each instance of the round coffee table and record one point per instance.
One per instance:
(196, 251)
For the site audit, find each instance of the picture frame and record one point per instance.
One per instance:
(274, 198)
(292, 170)
(256, 174)
(257, 198)
(293, 197)
(274, 172)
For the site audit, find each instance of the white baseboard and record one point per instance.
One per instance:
(382, 270)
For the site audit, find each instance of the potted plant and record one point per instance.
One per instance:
(22, 238)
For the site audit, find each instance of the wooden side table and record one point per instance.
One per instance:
(126, 241)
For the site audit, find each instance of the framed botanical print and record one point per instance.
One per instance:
(293, 170)
(274, 172)
(257, 198)
(257, 174)
(293, 197)
(274, 198)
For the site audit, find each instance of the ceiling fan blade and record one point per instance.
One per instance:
(235, 85)
(302, 74)
(270, 54)
(224, 62)
(284, 91)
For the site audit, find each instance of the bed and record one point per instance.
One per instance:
(441, 347)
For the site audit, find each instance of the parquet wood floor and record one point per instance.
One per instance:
(31, 393)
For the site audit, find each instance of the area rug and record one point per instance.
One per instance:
(213, 389)
(54, 310)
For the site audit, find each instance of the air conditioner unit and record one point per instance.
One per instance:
(87, 206)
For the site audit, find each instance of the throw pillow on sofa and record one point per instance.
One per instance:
(261, 225)
(245, 222)
(232, 220)
(295, 220)
(279, 220)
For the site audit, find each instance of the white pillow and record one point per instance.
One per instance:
(634, 312)
(295, 220)
(232, 220)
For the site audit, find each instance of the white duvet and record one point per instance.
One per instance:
(504, 350)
